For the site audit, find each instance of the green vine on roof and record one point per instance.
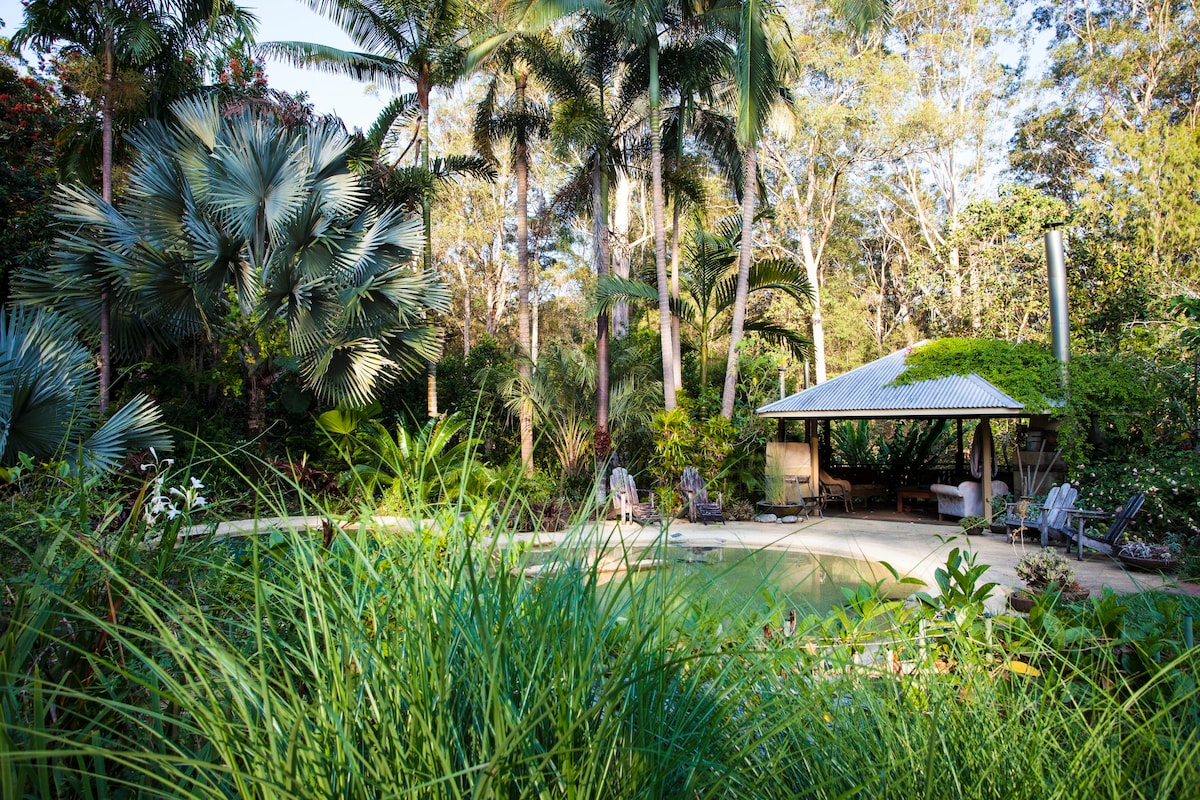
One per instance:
(1027, 372)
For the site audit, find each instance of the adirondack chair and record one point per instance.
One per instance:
(1049, 517)
(1110, 543)
(699, 507)
(624, 492)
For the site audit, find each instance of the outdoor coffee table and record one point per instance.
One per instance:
(911, 493)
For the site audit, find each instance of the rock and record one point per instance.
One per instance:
(766, 518)
(789, 519)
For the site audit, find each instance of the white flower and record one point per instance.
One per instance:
(196, 484)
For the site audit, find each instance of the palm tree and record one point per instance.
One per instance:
(763, 56)
(593, 112)
(48, 389)
(244, 231)
(126, 35)
(419, 41)
(520, 121)
(709, 290)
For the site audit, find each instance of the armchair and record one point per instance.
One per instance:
(964, 500)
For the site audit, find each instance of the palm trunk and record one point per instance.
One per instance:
(106, 192)
(521, 167)
(423, 88)
(749, 192)
(676, 349)
(600, 237)
(660, 236)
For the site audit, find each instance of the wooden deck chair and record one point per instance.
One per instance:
(623, 490)
(695, 493)
(1048, 517)
(799, 492)
(1110, 543)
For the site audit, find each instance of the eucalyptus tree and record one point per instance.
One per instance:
(708, 292)
(243, 231)
(125, 38)
(519, 121)
(416, 41)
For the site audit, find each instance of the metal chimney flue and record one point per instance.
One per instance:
(1060, 330)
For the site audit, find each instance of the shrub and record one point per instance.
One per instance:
(1171, 481)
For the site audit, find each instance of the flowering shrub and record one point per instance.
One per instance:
(1171, 481)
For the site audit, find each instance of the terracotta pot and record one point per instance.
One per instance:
(1022, 600)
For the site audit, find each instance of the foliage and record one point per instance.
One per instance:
(435, 649)
(1114, 406)
(681, 442)
(435, 465)
(1170, 479)
(30, 118)
(264, 232)
(48, 399)
(1041, 569)
(1027, 372)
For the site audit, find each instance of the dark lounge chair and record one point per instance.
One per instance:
(1110, 543)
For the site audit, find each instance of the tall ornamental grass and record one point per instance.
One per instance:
(427, 665)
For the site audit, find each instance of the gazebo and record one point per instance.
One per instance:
(870, 392)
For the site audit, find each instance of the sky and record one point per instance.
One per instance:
(290, 20)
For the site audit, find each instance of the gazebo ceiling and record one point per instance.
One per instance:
(867, 392)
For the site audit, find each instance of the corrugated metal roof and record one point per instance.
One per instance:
(865, 393)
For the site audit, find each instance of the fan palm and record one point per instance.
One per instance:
(129, 35)
(709, 292)
(48, 398)
(246, 232)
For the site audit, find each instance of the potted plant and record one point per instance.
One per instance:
(1045, 571)
(775, 489)
(1147, 556)
(999, 508)
(973, 526)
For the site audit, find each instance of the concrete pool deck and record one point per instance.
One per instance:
(913, 548)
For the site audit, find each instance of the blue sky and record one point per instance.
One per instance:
(288, 20)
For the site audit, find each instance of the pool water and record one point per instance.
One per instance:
(735, 578)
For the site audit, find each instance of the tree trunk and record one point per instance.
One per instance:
(423, 89)
(818, 320)
(106, 192)
(660, 236)
(749, 192)
(676, 348)
(521, 167)
(601, 255)
(620, 248)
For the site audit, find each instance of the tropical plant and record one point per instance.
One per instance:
(709, 291)
(48, 404)
(433, 466)
(520, 121)
(763, 58)
(247, 233)
(128, 40)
